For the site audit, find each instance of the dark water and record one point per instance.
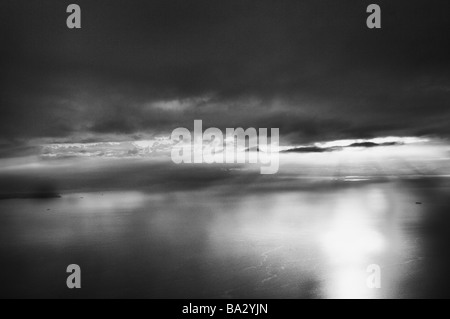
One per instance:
(232, 242)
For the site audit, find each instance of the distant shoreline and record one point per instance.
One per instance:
(29, 196)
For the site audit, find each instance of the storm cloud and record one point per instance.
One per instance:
(137, 68)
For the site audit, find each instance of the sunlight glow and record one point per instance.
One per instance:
(351, 242)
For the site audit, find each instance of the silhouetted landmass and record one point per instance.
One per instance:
(29, 196)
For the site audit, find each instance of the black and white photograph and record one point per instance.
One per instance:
(224, 150)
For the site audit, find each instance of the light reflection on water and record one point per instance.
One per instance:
(352, 241)
(200, 244)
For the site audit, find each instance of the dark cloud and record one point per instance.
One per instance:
(317, 149)
(372, 144)
(311, 68)
(311, 149)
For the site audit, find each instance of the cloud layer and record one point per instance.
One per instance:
(311, 68)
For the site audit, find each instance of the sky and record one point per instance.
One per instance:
(138, 69)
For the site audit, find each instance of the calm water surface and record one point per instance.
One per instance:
(238, 244)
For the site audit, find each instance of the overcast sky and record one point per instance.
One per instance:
(136, 68)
